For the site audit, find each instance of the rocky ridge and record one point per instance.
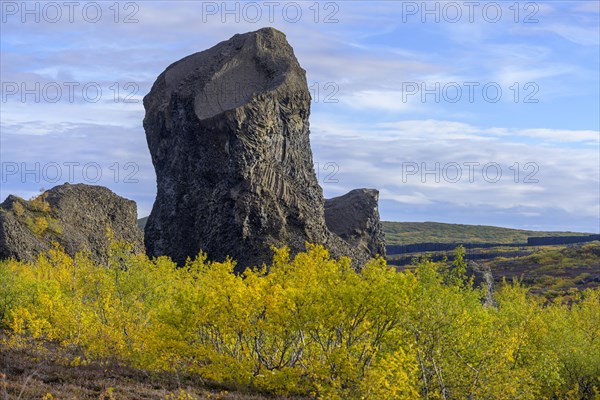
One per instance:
(75, 216)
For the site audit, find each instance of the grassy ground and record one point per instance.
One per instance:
(551, 271)
(397, 233)
(43, 372)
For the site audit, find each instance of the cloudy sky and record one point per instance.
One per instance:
(462, 112)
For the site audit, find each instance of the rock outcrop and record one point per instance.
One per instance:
(483, 278)
(354, 217)
(228, 132)
(75, 216)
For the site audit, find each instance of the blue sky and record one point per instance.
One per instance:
(480, 113)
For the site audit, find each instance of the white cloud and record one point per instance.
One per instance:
(381, 100)
(586, 36)
(385, 160)
(369, 54)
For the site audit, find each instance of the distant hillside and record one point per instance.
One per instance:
(397, 233)
(142, 222)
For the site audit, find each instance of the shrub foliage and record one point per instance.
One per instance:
(310, 325)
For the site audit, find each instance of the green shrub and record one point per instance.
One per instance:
(311, 325)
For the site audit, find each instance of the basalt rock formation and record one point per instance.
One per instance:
(482, 277)
(355, 218)
(228, 132)
(75, 216)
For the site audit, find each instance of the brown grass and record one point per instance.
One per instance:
(45, 373)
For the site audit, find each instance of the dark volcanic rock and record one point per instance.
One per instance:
(75, 216)
(355, 218)
(228, 132)
(482, 277)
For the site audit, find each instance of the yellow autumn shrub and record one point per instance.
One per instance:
(308, 324)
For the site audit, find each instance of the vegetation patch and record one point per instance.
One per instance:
(402, 233)
(308, 326)
(553, 271)
(37, 215)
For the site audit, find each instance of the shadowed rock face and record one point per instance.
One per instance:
(75, 216)
(354, 217)
(228, 132)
